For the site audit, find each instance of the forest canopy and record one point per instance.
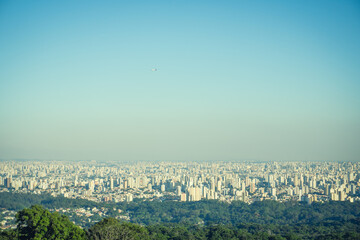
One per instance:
(184, 220)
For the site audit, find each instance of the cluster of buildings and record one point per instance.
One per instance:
(7, 218)
(185, 181)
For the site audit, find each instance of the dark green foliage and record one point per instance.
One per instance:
(112, 229)
(18, 201)
(220, 232)
(213, 232)
(38, 223)
(265, 212)
(8, 234)
(212, 219)
(176, 232)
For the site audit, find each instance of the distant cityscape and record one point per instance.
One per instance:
(187, 181)
(175, 181)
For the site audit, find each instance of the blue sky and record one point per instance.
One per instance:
(236, 80)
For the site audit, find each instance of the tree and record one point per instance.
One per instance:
(221, 232)
(38, 223)
(8, 234)
(112, 229)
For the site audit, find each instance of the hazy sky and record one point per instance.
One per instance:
(235, 80)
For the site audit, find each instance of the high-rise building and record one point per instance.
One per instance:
(129, 197)
(7, 182)
(252, 187)
(178, 190)
(183, 197)
(111, 183)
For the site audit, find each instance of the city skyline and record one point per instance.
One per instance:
(182, 81)
(104, 189)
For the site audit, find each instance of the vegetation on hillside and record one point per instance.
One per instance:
(38, 223)
(187, 220)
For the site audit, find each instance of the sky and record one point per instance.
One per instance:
(235, 80)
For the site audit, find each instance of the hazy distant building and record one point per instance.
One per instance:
(7, 182)
(183, 197)
(178, 190)
(129, 197)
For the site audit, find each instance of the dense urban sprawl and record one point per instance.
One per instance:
(179, 181)
(226, 181)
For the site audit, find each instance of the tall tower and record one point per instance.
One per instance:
(111, 183)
